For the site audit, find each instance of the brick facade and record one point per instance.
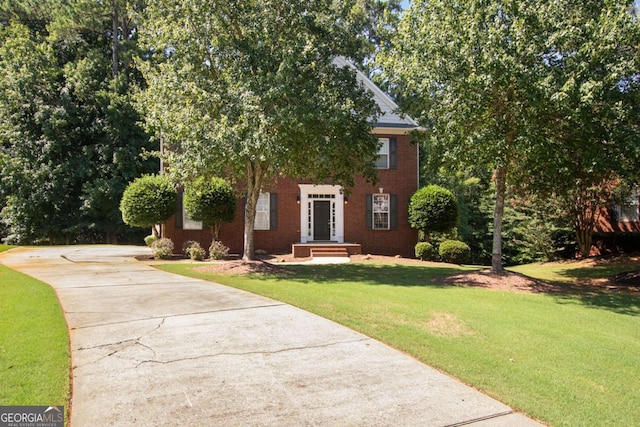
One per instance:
(400, 182)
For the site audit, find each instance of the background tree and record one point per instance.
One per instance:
(468, 71)
(148, 201)
(591, 68)
(211, 201)
(72, 148)
(433, 209)
(249, 91)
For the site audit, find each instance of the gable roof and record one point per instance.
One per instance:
(390, 120)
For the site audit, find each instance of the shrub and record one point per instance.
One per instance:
(193, 250)
(433, 209)
(218, 250)
(150, 240)
(162, 249)
(148, 200)
(425, 251)
(211, 201)
(196, 253)
(454, 251)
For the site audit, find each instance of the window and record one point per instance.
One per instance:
(383, 154)
(182, 219)
(380, 211)
(629, 211)
(262, 213)
(266, 212)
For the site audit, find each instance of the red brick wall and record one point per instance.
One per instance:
(402, 182)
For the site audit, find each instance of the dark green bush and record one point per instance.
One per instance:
(148, 201)
(211, 201)
(454, 251)
(433, 209)
(426, 252)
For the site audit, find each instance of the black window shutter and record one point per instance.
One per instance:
(369, 211)
(393, 212)
(273, 211)
(178, 215)
(393, 153)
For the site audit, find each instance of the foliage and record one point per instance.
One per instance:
(150, 240)
(147, 201)
(426, 252)
(218, 250)
(34, 343)
(211, 201)
(454, 251)
(433, 209)
(499, 342)
(255, 90)
(67, 154)
(162, 248)
(544, 93)
(193, 250)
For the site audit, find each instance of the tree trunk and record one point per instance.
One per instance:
(114, 40)
(254, 185)
(496, 254)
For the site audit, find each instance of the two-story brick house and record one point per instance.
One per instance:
(296, 215)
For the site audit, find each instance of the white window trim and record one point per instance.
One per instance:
(378, 210)
(266, 213)
(384, 151)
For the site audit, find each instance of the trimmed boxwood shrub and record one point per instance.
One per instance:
(425, 251)
(454, 252)
(147, 201)
(433, 209)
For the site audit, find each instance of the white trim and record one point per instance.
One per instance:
(306, 219)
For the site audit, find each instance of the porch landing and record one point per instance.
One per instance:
(325, 249)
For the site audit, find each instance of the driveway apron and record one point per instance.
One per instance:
(150, 348)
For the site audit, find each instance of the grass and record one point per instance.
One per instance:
(5, 247)
(34, 343)
(562, 359)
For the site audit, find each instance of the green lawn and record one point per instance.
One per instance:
(5, 247)
(34, 343)
(564, 359)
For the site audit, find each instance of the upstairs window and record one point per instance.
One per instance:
(387, 155)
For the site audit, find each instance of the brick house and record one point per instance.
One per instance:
(296, 216)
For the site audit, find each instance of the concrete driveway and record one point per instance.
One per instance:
(151, 348)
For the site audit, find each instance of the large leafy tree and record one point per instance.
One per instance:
(251, 91)
(468, 70)
(592, 87)
(71, 139)
(543, 92)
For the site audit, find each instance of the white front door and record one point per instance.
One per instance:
(321, 213)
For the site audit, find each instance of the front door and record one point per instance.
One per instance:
(321, 220)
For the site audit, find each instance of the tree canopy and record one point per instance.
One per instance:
(249, 91)
(488, 79)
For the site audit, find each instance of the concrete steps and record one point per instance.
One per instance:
(329, 252)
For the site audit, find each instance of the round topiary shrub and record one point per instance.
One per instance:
(211, 201)
(148, 200)
(425, 251)
(162, 248)
(454, 252)
(433, 209)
